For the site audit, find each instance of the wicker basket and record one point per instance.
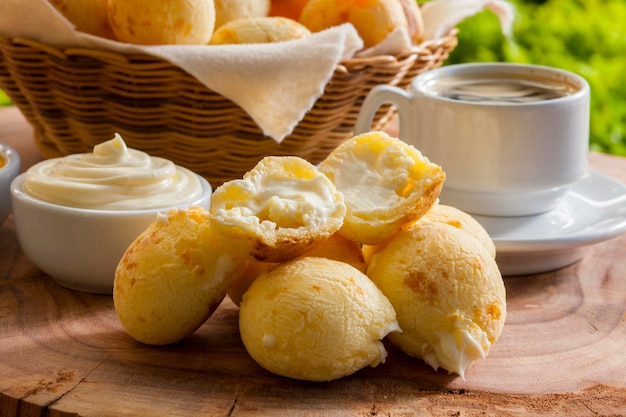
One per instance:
(76, 98)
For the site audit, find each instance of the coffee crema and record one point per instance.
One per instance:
(492, 89)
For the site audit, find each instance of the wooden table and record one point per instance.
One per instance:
(63, 353)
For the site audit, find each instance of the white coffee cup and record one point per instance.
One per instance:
(500, 158)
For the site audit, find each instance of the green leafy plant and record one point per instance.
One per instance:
(4, 99)
(586, 37)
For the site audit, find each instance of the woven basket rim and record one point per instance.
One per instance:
(75, 97)
(63, 52)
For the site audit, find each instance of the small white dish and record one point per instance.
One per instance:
(9, 169)
(593, 210)
(80, 248)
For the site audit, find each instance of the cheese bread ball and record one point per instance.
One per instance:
(340, 248)
(374, 20)
(336, 247)
(449, 215)
(280, 209)
(443, 213)
(385, 182)
(287, 8)
(447, 291)
(161, 22)
(242, 283)
(315, 319)
(89, 16)
(227, 10)
(259, 30)
(174, 276)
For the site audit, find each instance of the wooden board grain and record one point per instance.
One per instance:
(67, 352)
(63, 353)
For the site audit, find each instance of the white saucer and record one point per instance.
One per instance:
(593, 210)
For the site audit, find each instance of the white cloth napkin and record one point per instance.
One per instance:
(442, 15)
(275, 83)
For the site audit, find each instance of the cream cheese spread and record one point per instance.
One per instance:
(274, 202)
(455, 351)
(112, 177)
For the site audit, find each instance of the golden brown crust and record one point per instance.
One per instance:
(253, 271)
(457, 218)
(259, 30)
(89, 16)
(228, 10)
(445, 287)
(374, 20)
(336, 247)
(315, 319)
(287, 8)
(164, 23)
(340, 248)
(174, 276)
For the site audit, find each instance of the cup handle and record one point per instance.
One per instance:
(382, 94)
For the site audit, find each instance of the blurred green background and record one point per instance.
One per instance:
(4, 100)
(587, 37)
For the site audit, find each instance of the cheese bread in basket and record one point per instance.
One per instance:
(79, 95)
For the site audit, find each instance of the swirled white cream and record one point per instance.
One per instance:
(112, 177)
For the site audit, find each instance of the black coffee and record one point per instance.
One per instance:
(499, 90)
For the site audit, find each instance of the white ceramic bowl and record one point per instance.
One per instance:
(80, 248)
(8, 171)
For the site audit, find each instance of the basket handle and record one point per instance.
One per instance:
(402, 100)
